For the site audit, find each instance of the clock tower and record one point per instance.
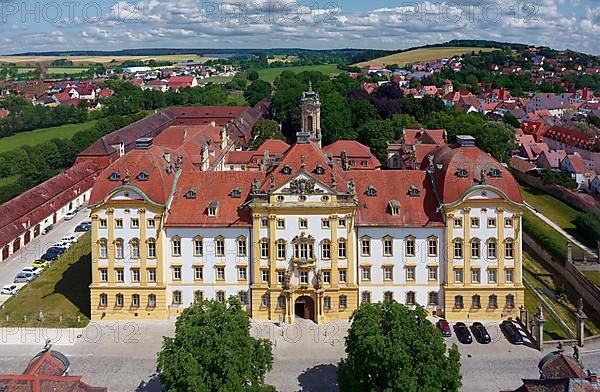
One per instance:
(310, 106)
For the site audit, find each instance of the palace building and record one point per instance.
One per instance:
(303, 230)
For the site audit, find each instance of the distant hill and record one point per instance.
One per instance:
(424, 54)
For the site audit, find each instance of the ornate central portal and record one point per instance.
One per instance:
(304, 307)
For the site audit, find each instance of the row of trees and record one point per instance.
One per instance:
(389, 347)
(29, 166)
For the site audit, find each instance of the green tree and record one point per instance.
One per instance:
(393, 348)
(363, 111)
(257, 90)
(264, 130)
(213, 351)
(253, 75)
(511, 120)
(497, 139)
(377, 134)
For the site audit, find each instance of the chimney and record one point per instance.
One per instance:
(465, 141)
(205, 158)
(223, 138)
(167, 156)
(213, 124)
(143, 143)
(184, 134)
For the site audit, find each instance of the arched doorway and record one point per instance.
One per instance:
(305, 307)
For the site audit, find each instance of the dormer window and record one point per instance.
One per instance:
(495, 172)
(394, 207)
(115, 176)
(413, 191)
(320, 170)
(212, 208)
(462, 172)
(371, 191)
(236, 193)
(287, 169)
(191, 194)
(143, 176)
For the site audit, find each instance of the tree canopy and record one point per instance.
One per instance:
(393, 348)
(213, 351)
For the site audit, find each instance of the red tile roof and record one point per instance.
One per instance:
(569, 136)
(356, 152)
(450, 187)
(424, 136)
(577, 163)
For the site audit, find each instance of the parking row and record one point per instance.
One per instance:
(510, 329)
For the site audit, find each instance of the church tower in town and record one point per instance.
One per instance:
(311, 115)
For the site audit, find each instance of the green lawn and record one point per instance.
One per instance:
(552, 330)
(66, 70)
(559, 212)
(269, 74)
(61, 290)
(9, 180)
(593, 276)
(25, 70)
(216, 80)
(42, 135)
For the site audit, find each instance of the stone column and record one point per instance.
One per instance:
(539, 329)
(569, 252)
(580, 318)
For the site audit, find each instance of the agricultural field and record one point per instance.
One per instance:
(25, 61)
(41, 135)
(422, 54)
(66, 70)
(269, 74)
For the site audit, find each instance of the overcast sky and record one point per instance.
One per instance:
(383, 24)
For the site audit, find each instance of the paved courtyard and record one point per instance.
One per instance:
(121, 355)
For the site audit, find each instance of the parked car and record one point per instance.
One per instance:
(65, 245)
(82, 228)
(24, 277)
(56, 249)
(513, 334)
(50, 256)
(480, 333)
(40, 263)
(87, 222)
(444, 327)
(47, 229)
(70, 215)
(462, 333)
(11, 289)
(32, 270)
(70, 239)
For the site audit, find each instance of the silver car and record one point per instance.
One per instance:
(24, 277)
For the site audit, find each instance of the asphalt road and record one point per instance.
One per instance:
(36, 248)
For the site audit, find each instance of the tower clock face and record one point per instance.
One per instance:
(311, 107)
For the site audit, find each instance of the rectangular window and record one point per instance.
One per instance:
(458, 250)
(135, 275)
(241, 243)
(280, 277)
(491, 249)
(177, 273)
(388, 273)
(264, 274)
(177, 298)
(388, 247)
(366, 273)
(458, 275)
(475, 249)
(410, 247)
(508, 222)
(119, 251)
(342, 276)
(220, 273)
(342, 249)
(475, 276)
(198, 272)
(176, 247)
(342, 222)
(326, 250)
(432, 273)
(135, 250)
(303, 223)
(326, 277)
(151, 250)
(151, 223)
(325, 223)
(365, 247)
(458, 302)
(220, 247)
(135, 223)
(221, 296)
(103, 250)
(303, 277)
(103, 275)
(432, 247)
(281, 250)
(343, 302)
(280, 224)
(474, 222)
(327, 303)
(491, 275)
(135, 300)
(198, 247)
(281, 302)
(366, 297)
(491, 222)
(103, 223)
(242, 273)
(509, 275)
(264, 223)
(119, 223)
(457, 222)
(264, 249)
(508, 250)
(119, 275)
(151, 275)
(410, 273)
